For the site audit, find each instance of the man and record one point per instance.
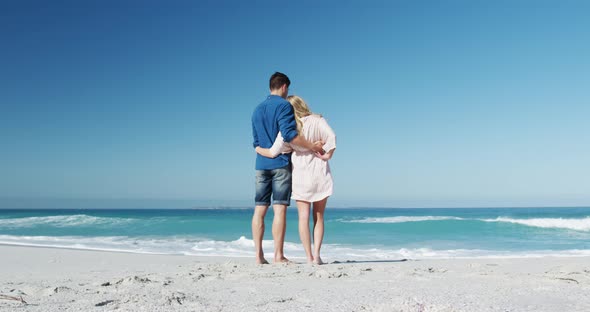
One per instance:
(273, 175)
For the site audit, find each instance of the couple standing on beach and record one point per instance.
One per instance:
(293, 147)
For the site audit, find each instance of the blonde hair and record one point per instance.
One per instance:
(301, 110)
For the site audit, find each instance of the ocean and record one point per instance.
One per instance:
(368, 234)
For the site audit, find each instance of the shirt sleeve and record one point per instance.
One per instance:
(327, 134)
(287, 124)
(280, 146)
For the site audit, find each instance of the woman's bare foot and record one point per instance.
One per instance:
(318, 261)
(282, 260)
(261, 261)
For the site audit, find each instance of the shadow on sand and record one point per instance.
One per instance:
(368, 261)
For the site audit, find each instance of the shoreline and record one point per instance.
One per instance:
(55, 279)
(533, 254)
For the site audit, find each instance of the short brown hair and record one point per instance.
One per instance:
(277, 80)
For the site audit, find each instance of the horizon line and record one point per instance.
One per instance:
(336, 207)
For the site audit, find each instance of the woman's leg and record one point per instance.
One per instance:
(303, 209)
(318, 228)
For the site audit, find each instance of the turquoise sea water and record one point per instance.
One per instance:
(351, 234)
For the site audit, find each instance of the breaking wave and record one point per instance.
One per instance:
(62, 221)
(402, 219)
(558, 223)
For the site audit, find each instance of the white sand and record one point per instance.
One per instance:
(74, 280)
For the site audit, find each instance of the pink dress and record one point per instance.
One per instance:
(312, 179)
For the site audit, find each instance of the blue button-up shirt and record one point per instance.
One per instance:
(271, 116)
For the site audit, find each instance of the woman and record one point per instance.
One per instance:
(312, 179)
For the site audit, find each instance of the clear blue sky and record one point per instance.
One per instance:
(435, 103)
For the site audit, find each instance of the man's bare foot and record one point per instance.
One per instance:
(261, 261)
(318, 261)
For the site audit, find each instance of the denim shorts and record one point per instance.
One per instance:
(276, 182)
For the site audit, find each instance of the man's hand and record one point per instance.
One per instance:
(317, 148)
(314, 147)
(325, 156)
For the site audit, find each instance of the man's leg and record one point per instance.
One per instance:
(279, 226)
(258, 232)
(281, 192)
(262, 200)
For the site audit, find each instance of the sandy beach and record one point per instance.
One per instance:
(50, 279)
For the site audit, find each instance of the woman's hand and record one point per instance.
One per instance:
(265, 152)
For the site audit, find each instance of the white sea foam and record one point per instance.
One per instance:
(244, 247)
(159, 245)
(401, 219)
(582, 224)
(62, 221)
(559, 223)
